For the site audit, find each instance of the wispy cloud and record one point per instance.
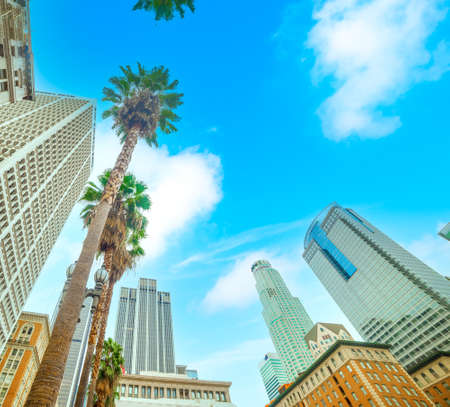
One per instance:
(250, 350)
(241, 239)
(236, 287)
(434, 251)
(183, 186)
(374, 51)
(213, 129)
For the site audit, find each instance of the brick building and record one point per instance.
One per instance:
(433, 377)
(354, 374)
(21, 358)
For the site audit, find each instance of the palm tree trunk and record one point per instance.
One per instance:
(47, 382)
(99, 347)
(82, 387)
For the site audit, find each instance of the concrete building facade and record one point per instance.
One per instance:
(170, 389)
(16, 57)
(144, 328)
(21, 358)
(388, 294)
(323, 335)
(285, 317)
(46, 153)
(355, 374)
(272, 374)
(433, 377)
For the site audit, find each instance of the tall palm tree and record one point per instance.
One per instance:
(109, 374)
(125, 221)
(123, 259)
(165, 8)
(143, 101)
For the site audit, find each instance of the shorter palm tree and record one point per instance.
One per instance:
(109, 374)
(165, 9)
(125, 221)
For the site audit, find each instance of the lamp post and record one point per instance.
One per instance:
(80, 339)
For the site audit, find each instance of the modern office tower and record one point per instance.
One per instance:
(77, 351)
(16, 58)
(354, 373)
(445, 232)
(155, 389)
(273, 374)
(323, 335)
(388, 294)
(46, 152)
(21, 358)
(144, 328)
(285, 317)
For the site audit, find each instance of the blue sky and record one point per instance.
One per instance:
(288, 107)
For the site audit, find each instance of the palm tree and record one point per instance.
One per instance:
(123, 259)
(165, 8)
(109, 374)
(142, 103)
(125, 221)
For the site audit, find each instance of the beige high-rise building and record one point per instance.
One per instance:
(21, 358)
(16, 58)
(46, 153)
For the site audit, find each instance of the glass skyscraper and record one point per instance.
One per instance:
(273, 374)
(144, 329)
(389, 295)
(285, 317)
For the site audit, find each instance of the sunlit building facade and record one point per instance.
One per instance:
(16, 58)
(389, 295)
(144, 328)
(323, 335)
(21, 358)
(285, 317)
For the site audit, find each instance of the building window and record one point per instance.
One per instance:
(355, 378)
(406, 403)
(443, 367)
(3, 73)
(222, 396)
(136, 391)
(130, 391)
(124, 389)
(372, 404)
(13, 50)
(349, 368)
(149, 392)
(354, 396)
(388, 400)
(425, 377)
(217, 396)
(193, 394)
(211, 395)
(433, 372)
(161, 392)
(2, 51)
(155, 392)
(169, 393)
(437, 389)
(174, 393)
(363, 390)
(3, 86)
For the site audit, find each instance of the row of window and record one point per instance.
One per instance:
(434, 373)
(161, 392)
(20, 51)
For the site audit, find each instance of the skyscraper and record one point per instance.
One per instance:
(46, 153)
(273, 374)
(144, 328)
(285, 318)
(445, 231)
(16, 58)
(388, 294)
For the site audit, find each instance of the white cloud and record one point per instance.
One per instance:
(251, 350)
(434, 251)
(241, 239)
(375, 51)
(182, 186)
(212, 129)
(236, 288)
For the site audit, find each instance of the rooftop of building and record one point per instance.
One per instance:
(312, 334)
(173, 378)
(321, 359)
(421, 364)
